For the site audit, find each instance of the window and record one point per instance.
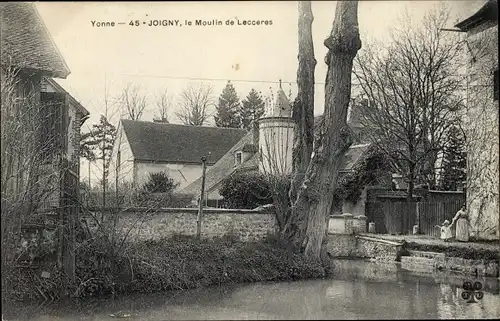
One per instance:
(495, 85)
(238, 157)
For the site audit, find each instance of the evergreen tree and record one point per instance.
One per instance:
(228, 109)
(253, 108)
(99, 145)
(454, 161)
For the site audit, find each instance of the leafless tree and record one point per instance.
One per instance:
(412, 92)
(163, 106)
(196, 105)
(132, 101)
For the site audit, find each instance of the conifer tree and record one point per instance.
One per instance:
(253, 107)
(228, 109)
(454, 161)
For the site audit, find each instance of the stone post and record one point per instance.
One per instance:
(348, 221)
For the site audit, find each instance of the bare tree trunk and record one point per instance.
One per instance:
(303, 107)
(315, 196)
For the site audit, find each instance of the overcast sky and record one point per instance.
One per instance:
(147, 55)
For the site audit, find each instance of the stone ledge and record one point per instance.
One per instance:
(377, 240)
(181, 210)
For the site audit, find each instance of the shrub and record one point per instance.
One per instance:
(159, 182)
(246, 190)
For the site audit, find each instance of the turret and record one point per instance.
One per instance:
(276, 137)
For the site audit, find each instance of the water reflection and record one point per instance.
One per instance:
(360, 290)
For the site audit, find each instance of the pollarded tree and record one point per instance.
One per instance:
(308, 225)
(253, 107)
(228, 109)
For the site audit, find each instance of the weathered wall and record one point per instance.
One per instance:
(247, 225)
(344, 245)
(483, 133)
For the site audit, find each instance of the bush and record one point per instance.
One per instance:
(159, 182)
(250, 190)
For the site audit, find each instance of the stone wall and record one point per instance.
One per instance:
(246, 225)
(430, 262)
(344, 245)
(347, 224)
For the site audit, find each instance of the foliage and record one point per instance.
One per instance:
(160, 182)
(454, 161)
(368, 171)
(99, 142)
(246, 190)
(253, 108)
(228, 109)
(87, 146)
(196, 105)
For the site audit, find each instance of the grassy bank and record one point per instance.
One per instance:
(177, 263)
(461, 252)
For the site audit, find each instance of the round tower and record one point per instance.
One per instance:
(276, 137)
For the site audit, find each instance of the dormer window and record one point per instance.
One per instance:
(238, 157)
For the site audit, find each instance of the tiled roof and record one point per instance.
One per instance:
(223, 168)
(488, 12)
(163, 142)
(25, 41)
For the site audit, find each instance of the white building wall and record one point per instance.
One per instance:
(276, 144)
(122, 166)
(184, 174)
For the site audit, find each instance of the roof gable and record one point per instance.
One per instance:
(223, 168)
(488, 12)
(173, 143)
(26, 42)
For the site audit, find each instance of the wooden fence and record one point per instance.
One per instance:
(399, 217)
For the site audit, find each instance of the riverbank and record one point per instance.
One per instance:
(358, 289)
(420, 254)
(177, 263)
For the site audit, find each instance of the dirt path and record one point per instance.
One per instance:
(428, 240)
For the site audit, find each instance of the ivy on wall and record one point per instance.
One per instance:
(367, 171)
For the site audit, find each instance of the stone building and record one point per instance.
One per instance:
(143, 147)
(482, 132)
(268, 148)
(30, 56)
